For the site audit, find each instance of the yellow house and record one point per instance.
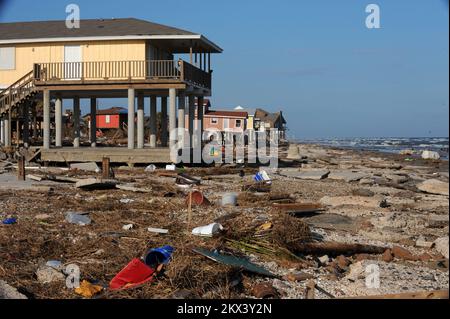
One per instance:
(48, 61)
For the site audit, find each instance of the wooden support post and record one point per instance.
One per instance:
(46, 135)
(21, 168)
(26, 124)
(106, 170)
(209, 62)
(18, 130)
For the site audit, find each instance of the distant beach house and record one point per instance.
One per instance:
(112, 118)
(264, 121)
(240, 119)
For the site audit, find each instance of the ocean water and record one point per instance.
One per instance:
(388, 145)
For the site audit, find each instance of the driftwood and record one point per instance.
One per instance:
(133, 189)
(63, 179)
(167, 174)
(299, 207)
(261, 187)
(335, 249)
(435, 294)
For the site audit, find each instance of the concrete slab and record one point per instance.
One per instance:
(348, 176)
(88, 167)
(9, 181)
(306, 175)
(434, 186)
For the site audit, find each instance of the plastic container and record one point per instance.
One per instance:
(78, 218)
(229, 199)
(157, 256)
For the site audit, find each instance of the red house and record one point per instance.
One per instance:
(112, 118)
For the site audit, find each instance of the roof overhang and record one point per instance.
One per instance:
(178, 43)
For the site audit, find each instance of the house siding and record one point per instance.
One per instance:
(28, 54)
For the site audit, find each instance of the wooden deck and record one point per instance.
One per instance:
(115, 154)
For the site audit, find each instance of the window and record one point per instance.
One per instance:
(214, 120)
(238, 123)
(7, 58)
(108, 119)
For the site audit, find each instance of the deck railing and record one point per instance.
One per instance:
(122, 71)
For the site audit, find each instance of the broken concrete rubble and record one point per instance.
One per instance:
(306, 174)
(9, 292)
(46, 275)
(88, 167)
(434, 186)
(348, 176)
(442, 246)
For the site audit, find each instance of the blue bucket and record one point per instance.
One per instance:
(157, 256)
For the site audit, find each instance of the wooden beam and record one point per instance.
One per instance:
(21, 168)
(435, 294)
(106, 170)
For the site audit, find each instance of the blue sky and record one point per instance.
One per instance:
(315, 60)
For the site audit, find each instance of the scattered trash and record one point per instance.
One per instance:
(158, 230)
(262, 176)
(234, 262)
(136, 273)
(265, 290)
(55, 264)
(157, 256)
(9, 221)
(184, 180)
(151, 168)
(197, 199)
(265, 226)
(46, 275)
(139, 272)
(87, 289)
(229, 199)
(126, 201)
(78, 218)
(207, 231)
(171, 167)
(260, 187)
(430, 155)
(128, 227)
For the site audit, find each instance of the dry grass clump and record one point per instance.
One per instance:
(288, 230)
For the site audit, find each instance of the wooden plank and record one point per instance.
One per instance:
(435, 294)
(299, 207)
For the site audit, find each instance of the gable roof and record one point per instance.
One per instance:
(220, 113)
(111, 111)
(265, 116)
(128, 28)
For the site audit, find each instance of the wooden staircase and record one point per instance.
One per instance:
(18, 93)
